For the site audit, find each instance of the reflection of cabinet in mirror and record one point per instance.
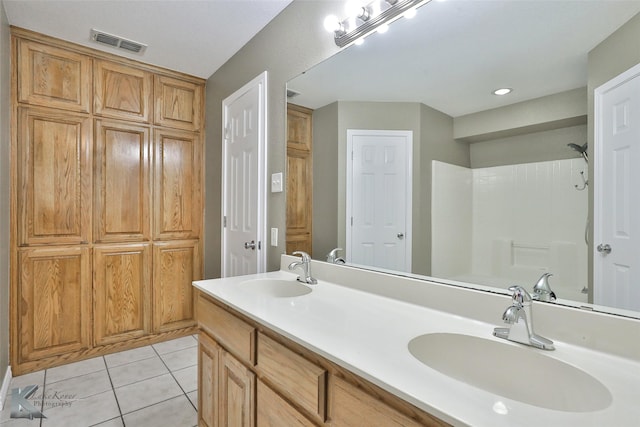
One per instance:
(299, 179)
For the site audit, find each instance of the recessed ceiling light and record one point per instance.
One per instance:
(502, 91)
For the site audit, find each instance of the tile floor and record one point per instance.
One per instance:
(148, 386)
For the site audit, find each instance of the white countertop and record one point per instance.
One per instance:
(368, 334)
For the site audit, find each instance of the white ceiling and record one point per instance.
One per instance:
(192, 36)
(454, 53)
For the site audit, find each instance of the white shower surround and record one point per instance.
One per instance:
(507, 225)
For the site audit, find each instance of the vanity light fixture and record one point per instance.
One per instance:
(363, 20)
(502, 91)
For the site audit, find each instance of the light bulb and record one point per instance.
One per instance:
(332, 24)
(359, 42)
(383, 28)
(353, 8)
(502, 91)
(411, 13)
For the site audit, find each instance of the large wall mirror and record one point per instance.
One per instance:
(496, 190)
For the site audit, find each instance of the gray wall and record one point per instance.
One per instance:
(5, 138)
(290, 44)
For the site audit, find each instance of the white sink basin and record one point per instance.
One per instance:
(518, 373)
(276, 288)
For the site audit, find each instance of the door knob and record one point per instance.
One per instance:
(604, 248)
(250, 245)
(400, 236)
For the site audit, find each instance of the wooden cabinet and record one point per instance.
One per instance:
(122, 92)
(294, 386)
(178, 103)
(121, 182)
(236, 393)
(175, 266)
(122, 309)
(299, 179)
(106, 197)
(274, 411)
(300, 380)
(55, 302)
(177, 185)
(226, 395)
(53, 77)
(53, 172)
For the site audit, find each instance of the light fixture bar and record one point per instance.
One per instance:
(390, 10)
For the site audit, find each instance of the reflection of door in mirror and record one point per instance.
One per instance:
(299, 179)
(616, 205)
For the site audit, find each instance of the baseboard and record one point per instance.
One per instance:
(5, 386)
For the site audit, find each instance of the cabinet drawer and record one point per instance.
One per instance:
(296, 378)
(233, 333)
(274, 411)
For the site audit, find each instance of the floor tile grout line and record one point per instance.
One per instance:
(113, 390)
(44, 388)
(156, 403)
(174, 378)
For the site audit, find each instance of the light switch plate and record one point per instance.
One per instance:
(276, 182)
(274, 237)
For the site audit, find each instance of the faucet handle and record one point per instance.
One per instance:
(305, 256)
(520, 295)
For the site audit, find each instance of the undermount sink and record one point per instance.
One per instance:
(517, 373)
(276, 287)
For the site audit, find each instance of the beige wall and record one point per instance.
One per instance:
(5, 138)
(290, 44)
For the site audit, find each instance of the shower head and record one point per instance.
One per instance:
(582, 149)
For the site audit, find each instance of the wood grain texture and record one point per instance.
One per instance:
(122, 182)
(237, 396)
(235, 334)
(121, 286)
(178, 103)
(274, 411)
(53, 77)
(299, 179)
(53, 172)
(175, 266)
(122, 92)
(177, 185)
(55, 301)
(208, 379)
(300, 380)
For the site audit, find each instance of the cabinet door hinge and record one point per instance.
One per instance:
(224, 221)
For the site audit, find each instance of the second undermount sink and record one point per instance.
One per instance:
(276, 287)
(511, 371)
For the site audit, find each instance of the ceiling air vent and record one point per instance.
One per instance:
(117, 42)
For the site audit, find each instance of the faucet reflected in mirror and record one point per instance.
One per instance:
(466, 135)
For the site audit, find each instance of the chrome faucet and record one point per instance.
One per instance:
(305, 265)
(542, 291)
(520, 318)
(333, 258)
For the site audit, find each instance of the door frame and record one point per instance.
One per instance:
(409, 190)
(261, 82)
(598, 188)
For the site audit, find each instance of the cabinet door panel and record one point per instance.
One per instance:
(53, 172)
(53, 77)
(178, 103)
(122, 181)
(208, 366)
(178, 195)
(122, 92)
(274, 411)
(54, 295)
(175, 265)
(237, 401)
(121, 292)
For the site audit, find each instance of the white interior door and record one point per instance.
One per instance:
(379, 198)
(617, 192)
(244, 176)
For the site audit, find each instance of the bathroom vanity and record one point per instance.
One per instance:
(363, 348)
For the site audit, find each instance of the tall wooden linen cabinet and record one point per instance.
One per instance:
(107, 202)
